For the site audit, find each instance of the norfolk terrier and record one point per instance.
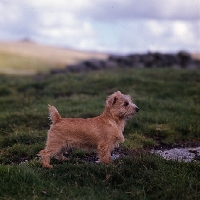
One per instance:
(102, 133)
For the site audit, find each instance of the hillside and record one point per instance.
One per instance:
(30, 58)
(169, 117)
(25, 57)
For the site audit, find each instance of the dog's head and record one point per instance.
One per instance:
(121, 105)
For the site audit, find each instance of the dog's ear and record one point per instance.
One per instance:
(118, 93)
(114, 101)
(111, 100)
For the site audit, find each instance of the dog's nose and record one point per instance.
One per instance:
(137, 109)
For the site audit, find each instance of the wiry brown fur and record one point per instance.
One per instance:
(102, 133)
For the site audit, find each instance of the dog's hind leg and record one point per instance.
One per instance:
(45, 158)
(60, 155)
(50, 150)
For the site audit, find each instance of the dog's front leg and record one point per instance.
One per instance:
(104, 153)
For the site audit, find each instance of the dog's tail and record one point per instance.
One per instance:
(54, 115)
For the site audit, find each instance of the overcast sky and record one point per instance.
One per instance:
(117, 26)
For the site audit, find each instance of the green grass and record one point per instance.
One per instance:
(169, 112)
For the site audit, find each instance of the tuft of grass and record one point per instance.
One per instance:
(137, 141)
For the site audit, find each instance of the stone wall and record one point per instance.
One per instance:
(148, 60)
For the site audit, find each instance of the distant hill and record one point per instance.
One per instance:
(29, 58)
(26, 57)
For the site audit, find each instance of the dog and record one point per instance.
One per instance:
(102, 133)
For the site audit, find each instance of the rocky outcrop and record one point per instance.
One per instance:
(148, 60)
(179, 60)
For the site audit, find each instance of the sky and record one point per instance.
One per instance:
(112, 26)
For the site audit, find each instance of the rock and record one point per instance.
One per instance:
(184, 58)
(58, 71)
(109, 64)
(197, 157)
(87, 65)
(92, 64)
(75, 68)
(121, 60)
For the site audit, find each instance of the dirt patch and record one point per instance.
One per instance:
(92, 157)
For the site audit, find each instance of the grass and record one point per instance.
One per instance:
(169, 113)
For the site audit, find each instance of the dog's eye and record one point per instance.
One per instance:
(126, 103)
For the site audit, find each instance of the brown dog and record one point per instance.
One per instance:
(102, 133)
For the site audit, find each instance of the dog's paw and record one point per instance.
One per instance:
(97, 161)
(47, 166)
